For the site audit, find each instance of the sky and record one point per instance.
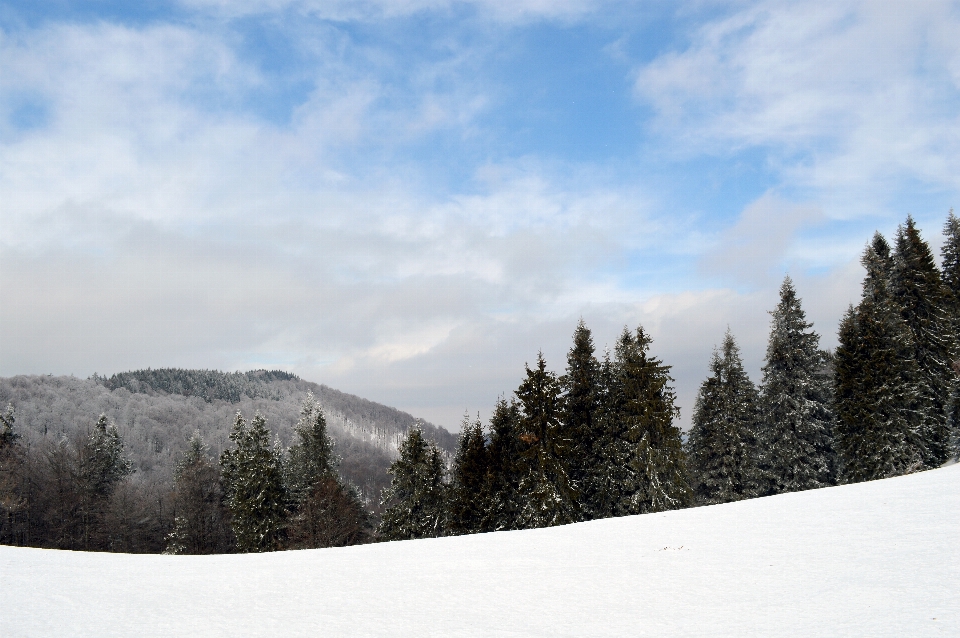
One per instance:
(408, 200)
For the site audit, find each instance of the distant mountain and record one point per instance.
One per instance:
(156, 411)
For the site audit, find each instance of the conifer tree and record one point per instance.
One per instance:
(656, 479)
(253, 484)
(101, 465)
(324, 511)
(12, 497)
(505, 469)
(607, 480)
(797, 429)
(877, 431)
(951, 279)
(924, 302)
(200, 518)
(416, 499)
(549, 497)
(580, 415)
(468, 494)
(722, 446)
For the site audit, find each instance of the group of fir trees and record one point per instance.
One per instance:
(595, 442)
(271, 500)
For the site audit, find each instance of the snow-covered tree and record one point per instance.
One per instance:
(924, 302)
(253, 483)
(722, 447)
(796, 432)
(200, 518)
(549, 497)
(951, 279)
(468, 493)
(877, 428)
(416, 499)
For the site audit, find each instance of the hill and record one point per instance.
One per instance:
(156, 412)
(873, 559)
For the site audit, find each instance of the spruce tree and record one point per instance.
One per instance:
(416, 499)
(797, 430)
(877, 429)
(253, 484)
(549, 497)
(607, 479)
(505, 464)
(924, 303)
(656, 479)
(468, 493)
(200, 519)
(580, 419)
(100, 466)
(951, 279)
(722, 446)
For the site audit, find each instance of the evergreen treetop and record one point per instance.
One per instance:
(416, 498)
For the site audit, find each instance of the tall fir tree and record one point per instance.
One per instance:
(951, 279)
(505, 469)
(656, 477)
(797, 421)
(580, 419)
(722, 447)
(324, 511)
(101, 465)
(925, 302)
(415, 502)
(549, 496)
(877, 429)
(607, 480)
(253, 484)
(468, 491)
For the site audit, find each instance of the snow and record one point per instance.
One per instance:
(873, 559)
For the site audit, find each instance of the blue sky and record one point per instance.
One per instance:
(408, 199)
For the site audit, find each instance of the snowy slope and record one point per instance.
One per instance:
(873, 559)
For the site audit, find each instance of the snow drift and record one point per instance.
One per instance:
(873, 559)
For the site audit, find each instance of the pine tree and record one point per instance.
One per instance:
(324, 511)
(416, 499)
(876, 427)
(722, 446)
(549, 497)
(607, 479)
(468, 495)
(200, 518)
(101, 465)
(797, 430)
(656, 479)
(924, 303)
(951, 279)
(505, 469)
(253, 483)
(12, 498)
(580, 419)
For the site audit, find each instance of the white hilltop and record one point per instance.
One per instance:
(872, 559)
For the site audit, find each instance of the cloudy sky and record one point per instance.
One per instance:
(407, 199)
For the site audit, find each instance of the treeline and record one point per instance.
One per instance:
(209, 385)
(600, 440)
(74, 493)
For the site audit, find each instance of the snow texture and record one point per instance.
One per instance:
(872, 559)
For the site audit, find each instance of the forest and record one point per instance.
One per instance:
(599, 440)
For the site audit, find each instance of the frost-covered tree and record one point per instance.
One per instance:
(580, 416)
(12, 498)
(253, 483)
(877, 428)
(925, 305)
(549, 497)
(200, 517)
(796, 432)
(415, 502)
(722, 447)
(468, 490)
(505, 468)
(951, 279)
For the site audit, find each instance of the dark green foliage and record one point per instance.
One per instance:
(468, 500)
(13, 500)
(951, 260)
(209, 385)
(581, 425)
(925, 304)
(656, 479)
(797, 422)
(325, 512)
(415, 502)
(505, 469)
(722, 447)
(200, 515)
(549, 497)
(253, 485)
(876, 376)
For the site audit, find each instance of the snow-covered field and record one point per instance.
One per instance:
(873, 559)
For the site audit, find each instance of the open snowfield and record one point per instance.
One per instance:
(873, 559)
